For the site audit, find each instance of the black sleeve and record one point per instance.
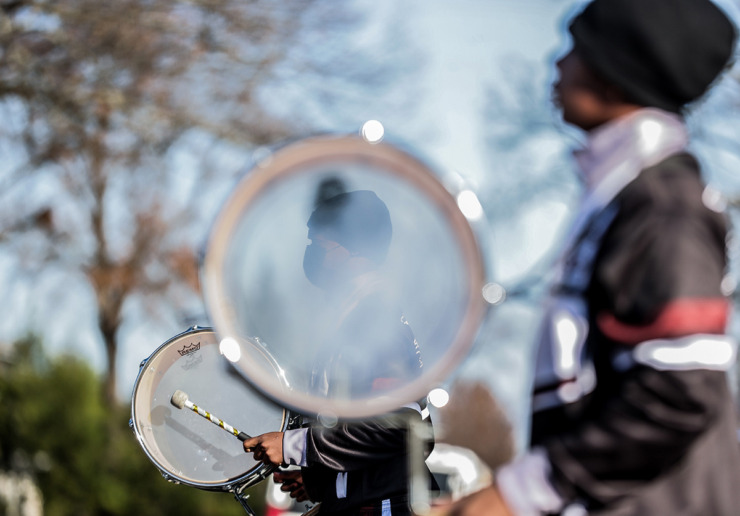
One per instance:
(354, 445)
(663, 258)
(641, 422)
(637, 434)
(664, 245)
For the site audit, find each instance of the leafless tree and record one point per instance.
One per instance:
(120, 118)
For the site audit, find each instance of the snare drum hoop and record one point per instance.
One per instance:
(252, 476)
(290, 161)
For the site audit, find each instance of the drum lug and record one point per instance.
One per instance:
(295, 421)
(266, 473)
(242, 499)
(168, 478)
(131, 423)
(238, 488)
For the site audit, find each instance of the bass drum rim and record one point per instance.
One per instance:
(289, 161)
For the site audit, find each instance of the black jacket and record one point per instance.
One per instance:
(651, 440)
(373, 452)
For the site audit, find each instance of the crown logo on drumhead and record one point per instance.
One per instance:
(187, 350)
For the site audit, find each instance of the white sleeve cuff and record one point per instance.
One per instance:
(294, 446)
(525, 485)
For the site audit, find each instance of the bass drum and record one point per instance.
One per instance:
(186, 447)
(414, 260)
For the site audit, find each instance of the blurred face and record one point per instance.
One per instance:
(586, 100)
(323, 260)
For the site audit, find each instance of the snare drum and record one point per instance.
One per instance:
(187, 448)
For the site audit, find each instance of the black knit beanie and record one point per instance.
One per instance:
(357, 220)
(661, 53)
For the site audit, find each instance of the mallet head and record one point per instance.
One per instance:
(179, 398)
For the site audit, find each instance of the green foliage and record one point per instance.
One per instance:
(82, 453)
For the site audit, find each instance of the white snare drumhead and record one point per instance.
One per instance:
(413, 257)
(184, 445)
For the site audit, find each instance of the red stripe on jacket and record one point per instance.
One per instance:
(677, 319)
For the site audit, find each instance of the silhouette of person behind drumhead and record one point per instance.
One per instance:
(368, 348)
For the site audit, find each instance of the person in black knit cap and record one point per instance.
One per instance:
(631, 410)
(356, 468)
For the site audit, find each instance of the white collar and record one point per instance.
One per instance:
(617, 151)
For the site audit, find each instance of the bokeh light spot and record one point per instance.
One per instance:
(372, 131)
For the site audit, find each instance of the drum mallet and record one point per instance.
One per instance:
(180, 400)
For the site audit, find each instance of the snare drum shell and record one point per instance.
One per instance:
(186, 447)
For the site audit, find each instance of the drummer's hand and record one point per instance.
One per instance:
(267, 448)
(292, 483)
(486, 502)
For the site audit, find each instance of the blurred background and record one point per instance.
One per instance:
(123, 126)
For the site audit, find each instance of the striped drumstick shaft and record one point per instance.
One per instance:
(180, 400)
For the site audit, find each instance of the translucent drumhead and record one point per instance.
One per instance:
(378, 309)
(184, 445)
